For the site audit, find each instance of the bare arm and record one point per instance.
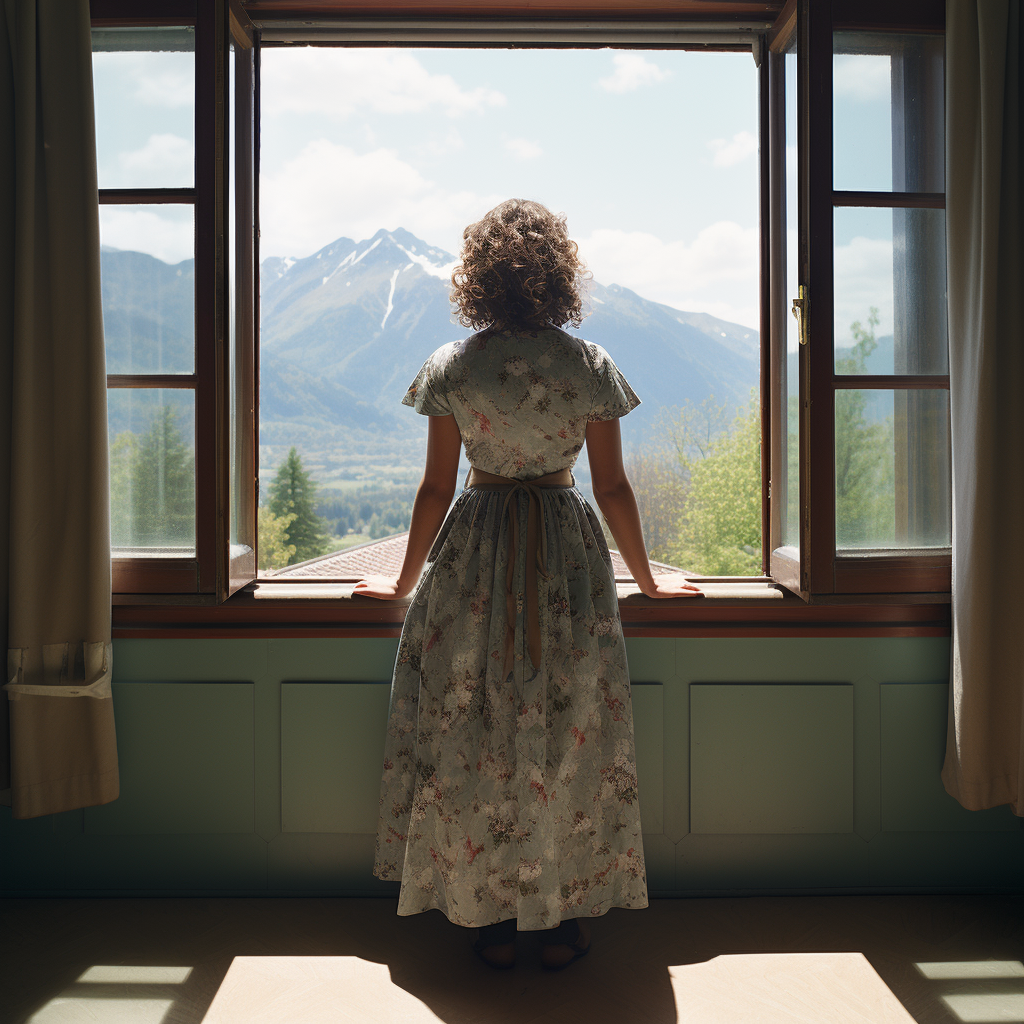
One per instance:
(615, 498)
(433, 496)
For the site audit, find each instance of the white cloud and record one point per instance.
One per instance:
(631, 71)
(153, 79)
(730, 153)
(523, 149)
(716, 273)
(165, 161)
(166, 232)
(861, 77)
(338, 82)
(863, 276)
(328, 191)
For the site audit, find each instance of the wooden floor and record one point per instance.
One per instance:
(821, 960)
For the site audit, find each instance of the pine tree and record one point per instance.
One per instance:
(294, 493)
(163, 485)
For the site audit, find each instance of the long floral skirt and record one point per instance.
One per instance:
(509, 789)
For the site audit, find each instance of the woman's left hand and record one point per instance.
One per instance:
(385, 588)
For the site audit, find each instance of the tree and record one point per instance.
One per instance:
(719, 527)
(163, 489)
(124, 451)
(865, 470)
(293, 492)
(272, 543)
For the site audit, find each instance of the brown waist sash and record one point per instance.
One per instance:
(536, 551)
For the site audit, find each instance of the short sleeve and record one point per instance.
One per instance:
(614, 396)
(427, 393)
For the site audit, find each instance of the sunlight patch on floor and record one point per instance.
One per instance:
(989, 991)
(115, 994)
(84, 1010)
(135, 974)
(785, 988)
(308, 989)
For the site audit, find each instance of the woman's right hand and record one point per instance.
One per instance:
(673, 584)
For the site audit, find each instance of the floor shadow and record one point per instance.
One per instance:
(930, 959)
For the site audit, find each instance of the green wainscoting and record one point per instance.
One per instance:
(765, 766)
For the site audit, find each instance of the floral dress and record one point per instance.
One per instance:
(514, 794)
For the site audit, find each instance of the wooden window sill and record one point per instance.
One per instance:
(730, 608)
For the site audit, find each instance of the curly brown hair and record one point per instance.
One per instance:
(519, 269)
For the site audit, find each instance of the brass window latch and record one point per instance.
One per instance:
(801, 312)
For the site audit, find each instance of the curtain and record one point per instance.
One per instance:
(55, 548)
(984, 765)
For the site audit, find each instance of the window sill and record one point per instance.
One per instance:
(730, 608)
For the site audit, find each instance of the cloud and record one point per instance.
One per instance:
(863, 278)
(329, 191)
(631, 71)
(153, 79)
(861, 77)
(166, 232)
(166, 160)
(728, 154)
(715, 273)
(523, 149)
(339, 82)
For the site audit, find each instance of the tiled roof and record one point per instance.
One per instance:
(384, 558)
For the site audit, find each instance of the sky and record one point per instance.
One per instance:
(652, 156)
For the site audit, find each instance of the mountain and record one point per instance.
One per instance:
(345, 330)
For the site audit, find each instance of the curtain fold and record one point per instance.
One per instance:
(55, 607)
(984, 765)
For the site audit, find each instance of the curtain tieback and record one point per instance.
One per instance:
(536, 551)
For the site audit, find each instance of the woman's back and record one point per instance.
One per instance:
(522, 400)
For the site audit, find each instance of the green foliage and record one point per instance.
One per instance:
(152, 486)
(370, 510)
(719, 528)
(865, 469)
(293, 492)
(272, 544)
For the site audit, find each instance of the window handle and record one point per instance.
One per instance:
(802, 314)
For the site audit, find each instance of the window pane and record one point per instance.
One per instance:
(888, 112)
(148, 280)
(144, 87)
(152, 472)
(890, 291)
(791, 515)
(892, 469)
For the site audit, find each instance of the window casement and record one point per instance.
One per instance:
(892, 588)
(187, 403)
(860, 450)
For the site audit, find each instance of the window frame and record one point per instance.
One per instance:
(816, 571)
(747, 606)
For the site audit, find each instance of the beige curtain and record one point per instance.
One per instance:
(985, 252)
(55, 544)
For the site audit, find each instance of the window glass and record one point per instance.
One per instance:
(374, 160)
(888, 110)
(152, 471)
(791, 516)
(890, 291)
(892, 469)
(144, 87)
(148, 281)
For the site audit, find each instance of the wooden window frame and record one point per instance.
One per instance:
(817, 572)
(150, 601)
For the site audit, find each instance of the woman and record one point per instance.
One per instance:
(509, 796)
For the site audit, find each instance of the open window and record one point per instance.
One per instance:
(175, 80)
(860, 485)
(854, 434)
